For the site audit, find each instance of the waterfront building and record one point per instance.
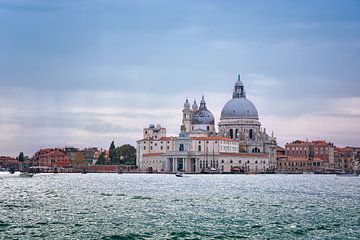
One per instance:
(289, 164)
(240, 145)
(90, 155)
(51, 157)
(347, 159)
(310, 151)
(7, 162)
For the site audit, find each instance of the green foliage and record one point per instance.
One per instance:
(101, 159)
(21, 157)
(112, 152)
(126, 154)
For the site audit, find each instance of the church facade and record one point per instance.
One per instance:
(240, 146)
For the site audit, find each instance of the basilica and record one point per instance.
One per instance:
(240, 145)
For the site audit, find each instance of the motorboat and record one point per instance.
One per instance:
(26, 175)
(179, 174)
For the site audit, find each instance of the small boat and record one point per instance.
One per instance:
(12, 170)
(26, 175)
(84, 171)
(347, 175)
(179, 174)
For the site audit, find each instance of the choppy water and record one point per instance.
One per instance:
(113, 206)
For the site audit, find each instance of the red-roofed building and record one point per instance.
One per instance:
(312, 151)
(51, 157)
(7, 162)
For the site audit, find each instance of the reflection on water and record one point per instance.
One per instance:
(126, 206)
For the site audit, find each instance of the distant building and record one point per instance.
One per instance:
(241, 145)
(313, 156)
(7, 162)
(90, 155)
(291, 164)
(347, 159)
(51, 157)
(72, 153)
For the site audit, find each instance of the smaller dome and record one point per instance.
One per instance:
(187, 104)
(151, 126)
(203, 115)
(195, 106)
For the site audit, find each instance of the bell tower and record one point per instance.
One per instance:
(187, 114)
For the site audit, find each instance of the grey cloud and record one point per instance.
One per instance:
(68, 121)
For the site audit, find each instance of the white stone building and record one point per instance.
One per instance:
(241, 145)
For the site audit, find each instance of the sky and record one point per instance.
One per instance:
(84, 73)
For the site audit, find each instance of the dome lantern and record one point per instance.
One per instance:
(239, 90)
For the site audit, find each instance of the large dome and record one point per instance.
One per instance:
(239, 108)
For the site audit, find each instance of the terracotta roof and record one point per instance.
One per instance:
(151, 154)
(244, 154)
(166, 138)
(55, 154)
(345, 149)
(302, 159)
(214, 138)
(160, 139)
(278, 148)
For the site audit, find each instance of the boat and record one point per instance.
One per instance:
(84, 171)
(179, 174)
(26, 175)
(347, 175)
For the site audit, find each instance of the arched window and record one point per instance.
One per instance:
(236, 133)
(256, 150)
(231, 161)
(208, 128)
(251, 134)
(181, 147)
(199, 148)
(222, 161)
(231, 133)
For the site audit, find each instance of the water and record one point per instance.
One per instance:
(126, 206)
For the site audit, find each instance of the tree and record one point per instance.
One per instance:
(112, 150)
(79, 158)
(126, 154)
(21, 158)
(101, 159)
